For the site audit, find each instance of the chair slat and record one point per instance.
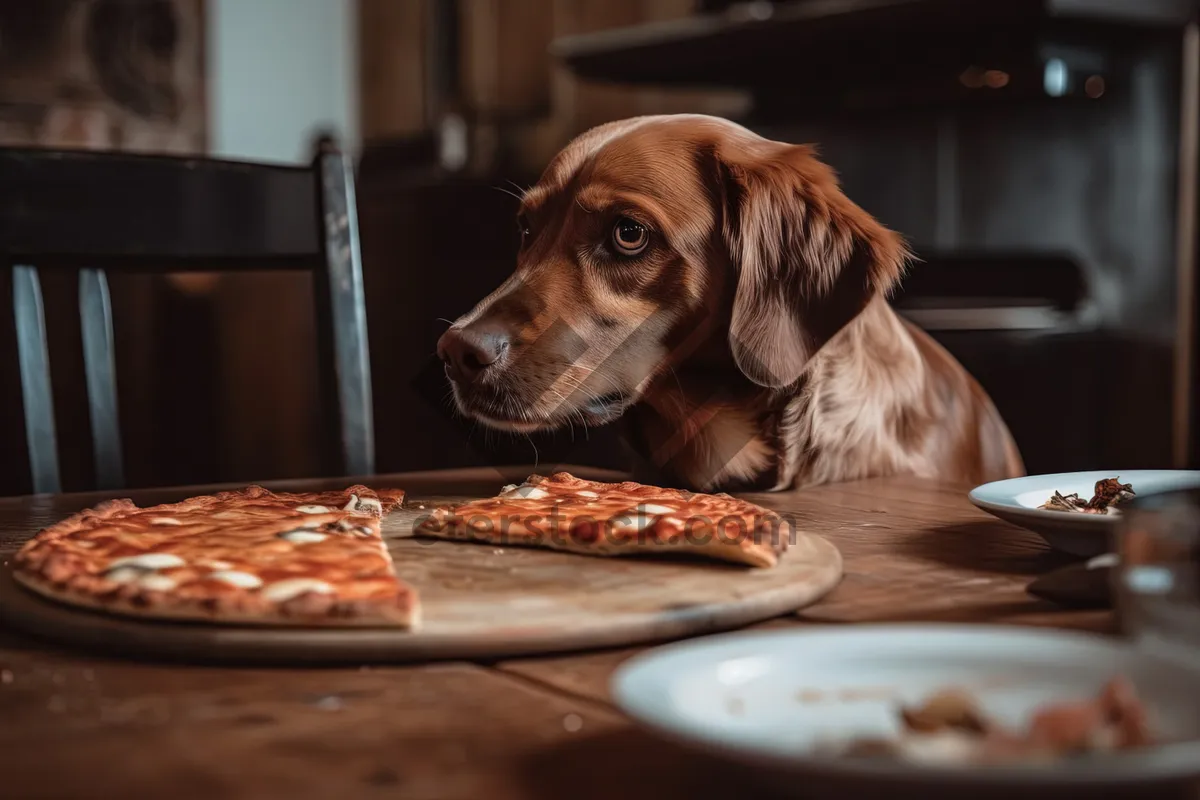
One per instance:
(153, 212)
(95, 314)
(34, 361)
(345, 297)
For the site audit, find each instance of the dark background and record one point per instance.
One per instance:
(1030, 152)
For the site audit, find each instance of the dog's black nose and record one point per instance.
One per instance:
(468, 352)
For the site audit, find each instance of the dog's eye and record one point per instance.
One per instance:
(523, 225)
(630, 237)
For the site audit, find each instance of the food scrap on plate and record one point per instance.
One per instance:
(950, 729)
(1108, 494)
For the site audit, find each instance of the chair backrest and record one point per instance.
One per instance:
(91, 212)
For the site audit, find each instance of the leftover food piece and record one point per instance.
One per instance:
(950, 729)
(1106, 495)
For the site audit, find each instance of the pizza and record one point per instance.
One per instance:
(250, 556)
(566, 513)
(319, 559)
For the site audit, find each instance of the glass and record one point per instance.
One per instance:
(1157, 579)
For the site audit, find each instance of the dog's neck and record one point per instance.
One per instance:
(704, 426)
(702, 430)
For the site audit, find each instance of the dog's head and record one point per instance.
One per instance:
(649, 240)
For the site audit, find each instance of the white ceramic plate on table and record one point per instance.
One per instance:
(1085, 535)
(765, 700)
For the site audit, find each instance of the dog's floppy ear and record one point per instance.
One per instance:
(807, 259)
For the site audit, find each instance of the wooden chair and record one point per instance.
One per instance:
(91, 212)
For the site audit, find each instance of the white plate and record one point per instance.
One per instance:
(765, 700)
(1084, 535)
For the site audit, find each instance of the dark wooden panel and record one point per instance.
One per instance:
(1075, 401)
(1194, 395)
(135, 339)
(391, 58)
(507, 73)
(431, 251)
(814, 43)
(886, 165)
(187, 424)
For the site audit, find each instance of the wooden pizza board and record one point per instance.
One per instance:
(478, 602)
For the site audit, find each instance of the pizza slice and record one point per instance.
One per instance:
(563, 512)
(248, 557)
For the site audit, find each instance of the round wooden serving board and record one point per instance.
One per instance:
(478, 601)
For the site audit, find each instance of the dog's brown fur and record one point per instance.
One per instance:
(750, 345)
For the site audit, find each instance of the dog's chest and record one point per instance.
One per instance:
(703, 445)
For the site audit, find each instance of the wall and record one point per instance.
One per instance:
(279, 72)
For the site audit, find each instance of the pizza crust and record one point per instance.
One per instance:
(405, 615)
(759, 557)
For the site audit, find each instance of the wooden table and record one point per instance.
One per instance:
(76, 725)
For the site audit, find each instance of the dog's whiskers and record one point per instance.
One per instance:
(537, 457)
(508, 192)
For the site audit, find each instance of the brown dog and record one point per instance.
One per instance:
(719, 292)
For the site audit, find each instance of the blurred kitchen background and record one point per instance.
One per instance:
(1039, 154)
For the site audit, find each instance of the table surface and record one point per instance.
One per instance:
(75, 725)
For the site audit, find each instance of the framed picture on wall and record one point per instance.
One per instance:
(103, 74)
